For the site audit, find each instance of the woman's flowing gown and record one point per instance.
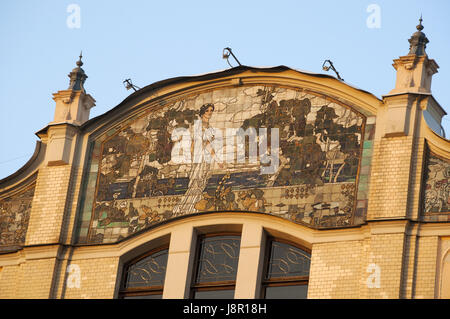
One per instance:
(198, 176)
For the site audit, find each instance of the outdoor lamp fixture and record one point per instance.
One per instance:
(226, 54)
(331, 66)
(129, 85)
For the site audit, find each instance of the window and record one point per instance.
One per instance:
(216, 266)
(144, 277)
(286, 272)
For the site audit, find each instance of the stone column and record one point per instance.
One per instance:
(251, 261)
(180, 263)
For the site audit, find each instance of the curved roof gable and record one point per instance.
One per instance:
(321, 83)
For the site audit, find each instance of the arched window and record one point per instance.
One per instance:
(143, 277)
(216, 266)
(286, 272)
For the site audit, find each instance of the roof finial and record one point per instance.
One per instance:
(79, 62)
(420, 26)
(418, 41)
(77, 76)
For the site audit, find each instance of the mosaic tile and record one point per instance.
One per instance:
(367, 152)
(361, 203)
(366, 161)
(368, 144)
(437, 186)
(365, 170)
(14, 217)
(362, 194)
(83, 232)
(138, 184)
(94, 168)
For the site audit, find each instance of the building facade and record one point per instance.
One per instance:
(245, 183)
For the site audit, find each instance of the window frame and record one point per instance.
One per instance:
(279, 282)
(141, 291)
(213, 285)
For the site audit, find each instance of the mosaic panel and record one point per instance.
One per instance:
(14, 216)
(325, 150)
(437, 189)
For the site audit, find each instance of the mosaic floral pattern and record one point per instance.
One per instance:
(322, 179)
(437, 189)
(14, 217)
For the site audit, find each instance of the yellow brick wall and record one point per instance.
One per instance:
(385, 251)
(342, 269)
(9, 276)
(35, 279)
(48, 205)
(27, 280)
(335, 270)
(425, 281)
(388, 191)
(98, 278)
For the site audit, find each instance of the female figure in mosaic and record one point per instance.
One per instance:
(203, 156)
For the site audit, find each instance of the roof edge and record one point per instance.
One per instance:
(210, 76)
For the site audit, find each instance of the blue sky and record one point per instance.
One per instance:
(149, 41)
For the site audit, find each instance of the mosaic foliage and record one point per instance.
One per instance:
(14, 217)
(437, 188)
(133, 182)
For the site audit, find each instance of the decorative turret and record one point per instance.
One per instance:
(72, 110)
(418, 41)
(77, 77)
(73, 105)
(414, 71)
(412, 92)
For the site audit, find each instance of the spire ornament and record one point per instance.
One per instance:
(77, 76)
(79, 62)
(418, 41)
(419, 27)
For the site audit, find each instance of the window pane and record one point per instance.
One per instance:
(218, 259)
(287, 261)
(148, 272)
(287, 292)
(214, 294)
